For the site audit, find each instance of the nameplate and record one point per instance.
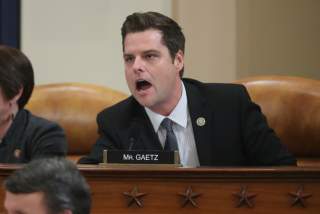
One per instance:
(140, 157)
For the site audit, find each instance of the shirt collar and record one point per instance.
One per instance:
(179, 114)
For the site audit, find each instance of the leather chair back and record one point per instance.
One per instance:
(74, 106)
(292, 108)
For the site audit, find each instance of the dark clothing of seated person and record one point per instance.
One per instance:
(213, 124)
(23, 136)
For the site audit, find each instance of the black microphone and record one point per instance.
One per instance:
(132, 142)
(133, 135)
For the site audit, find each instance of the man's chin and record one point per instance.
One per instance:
(144, 101)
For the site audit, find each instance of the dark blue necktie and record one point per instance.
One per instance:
(171, 140)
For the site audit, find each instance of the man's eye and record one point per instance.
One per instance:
(128, 59)
(150, 56)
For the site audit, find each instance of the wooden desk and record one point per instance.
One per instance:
(267, 188)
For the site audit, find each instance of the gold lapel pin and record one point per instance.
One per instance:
(17, 153)
(201, 121)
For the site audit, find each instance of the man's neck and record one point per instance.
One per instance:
(166, 108)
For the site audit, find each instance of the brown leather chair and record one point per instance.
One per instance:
(292, 108)
(74, 106)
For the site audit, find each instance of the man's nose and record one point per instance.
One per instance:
(138, 65)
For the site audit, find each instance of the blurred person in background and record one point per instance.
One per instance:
(23, 136)
(47, 186)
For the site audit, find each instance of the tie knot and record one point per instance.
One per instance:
(167, 124)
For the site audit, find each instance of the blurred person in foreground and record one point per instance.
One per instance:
(23, 136)
(210, 124)
(47, 186)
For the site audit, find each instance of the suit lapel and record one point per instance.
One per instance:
(201, 118)
(142, 130)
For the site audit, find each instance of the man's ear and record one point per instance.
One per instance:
(17, 96)
(179, 60)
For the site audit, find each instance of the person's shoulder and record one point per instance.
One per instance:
(39, 129)
(119, 110)
(40, 123)
(217, 89)
(43, 138)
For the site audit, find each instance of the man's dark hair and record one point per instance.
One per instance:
(16, 73)
(59, 179)
(172, 35)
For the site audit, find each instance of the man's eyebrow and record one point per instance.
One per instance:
(151, 51)
(127, 54)
(144, 52)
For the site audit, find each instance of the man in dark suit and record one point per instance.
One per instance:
(209, 124)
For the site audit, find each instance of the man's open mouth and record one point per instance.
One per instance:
(142, 85)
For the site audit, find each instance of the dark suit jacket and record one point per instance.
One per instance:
(235, 133)
(30, 137)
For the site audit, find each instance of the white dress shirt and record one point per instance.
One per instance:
(182, 128)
